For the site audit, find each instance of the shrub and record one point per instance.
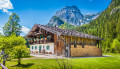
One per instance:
(115, 46)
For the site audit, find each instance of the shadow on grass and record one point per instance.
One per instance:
(24, 65)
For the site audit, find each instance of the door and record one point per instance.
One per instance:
(43, 50)
(66, 51)
(40, 49)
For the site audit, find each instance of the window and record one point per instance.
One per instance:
(39, 48)
(82, 46)
(32, 47)
(35, 47)
(48, 47)
(75, 46)
(80, 43)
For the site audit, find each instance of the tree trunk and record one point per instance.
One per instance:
(3, 63)
(4, 57)
(19, 61)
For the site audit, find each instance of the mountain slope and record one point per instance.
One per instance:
(106, 26)
(73, 16)
(88, 18)
(55, 21)
(70, 14)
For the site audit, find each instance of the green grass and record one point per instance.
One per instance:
(112, 62)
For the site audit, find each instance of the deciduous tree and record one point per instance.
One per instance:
(20, 52)
(7, 44)
(115, 46)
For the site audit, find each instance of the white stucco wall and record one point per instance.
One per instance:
(51, 47)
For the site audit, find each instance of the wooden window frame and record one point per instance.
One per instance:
(83, 46)
(75, 46)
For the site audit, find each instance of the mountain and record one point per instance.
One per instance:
(71, 15)
(106, 26)
(88, 18)
(55, 21)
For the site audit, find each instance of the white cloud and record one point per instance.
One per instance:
(25, 29)
(5, 5)
(1, 30)
(5, 10)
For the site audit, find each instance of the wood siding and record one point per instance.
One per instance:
(70, 40)
(86, 51)
(59, 48)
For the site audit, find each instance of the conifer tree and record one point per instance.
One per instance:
(12, 26)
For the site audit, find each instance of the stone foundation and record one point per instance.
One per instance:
(85, 51)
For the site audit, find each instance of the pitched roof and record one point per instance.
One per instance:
(67, 32)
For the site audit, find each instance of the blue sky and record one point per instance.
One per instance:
(40, 11)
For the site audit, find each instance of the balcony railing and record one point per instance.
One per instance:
(40, 41)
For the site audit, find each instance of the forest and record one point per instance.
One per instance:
(106, 26)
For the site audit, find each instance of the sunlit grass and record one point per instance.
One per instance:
(112, 62)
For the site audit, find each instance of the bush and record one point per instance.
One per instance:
(115, 46)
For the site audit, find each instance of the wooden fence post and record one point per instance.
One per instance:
(3, 67)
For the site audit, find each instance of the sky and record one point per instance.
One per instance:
(40, 11)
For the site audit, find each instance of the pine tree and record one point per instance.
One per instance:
(106, 26)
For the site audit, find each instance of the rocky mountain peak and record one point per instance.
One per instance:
(70, 9)
(71, 15)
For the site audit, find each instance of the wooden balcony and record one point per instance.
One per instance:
(40, 41)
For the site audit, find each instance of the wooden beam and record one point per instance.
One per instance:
(79, 40)
(82, 41)
(98, 43)
(3, 66)
(74, 40)
(65, 45)
(70, 46)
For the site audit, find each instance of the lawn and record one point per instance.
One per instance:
(112, 62)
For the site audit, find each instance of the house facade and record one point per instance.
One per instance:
(53, 40)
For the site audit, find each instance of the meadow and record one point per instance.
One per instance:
(112, 62)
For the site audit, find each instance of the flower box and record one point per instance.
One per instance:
(50, 52)
(46, 52)
(40, 52)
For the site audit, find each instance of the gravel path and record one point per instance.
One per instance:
(46, 56)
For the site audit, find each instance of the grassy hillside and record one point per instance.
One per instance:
(106, 26)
